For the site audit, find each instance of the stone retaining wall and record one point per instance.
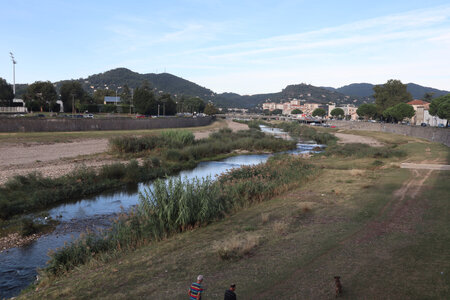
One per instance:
(66, 124)
(434, 134)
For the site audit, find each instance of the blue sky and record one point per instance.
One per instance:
(242, 46)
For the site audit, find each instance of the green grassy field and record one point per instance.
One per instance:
(383, 229)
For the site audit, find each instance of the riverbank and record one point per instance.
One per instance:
(59, 153)
(377, 226)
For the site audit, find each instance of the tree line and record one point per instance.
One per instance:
(391, 105)
(43, 96)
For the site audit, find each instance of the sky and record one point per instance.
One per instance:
(246, 47)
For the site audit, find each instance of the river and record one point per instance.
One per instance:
(18, 266)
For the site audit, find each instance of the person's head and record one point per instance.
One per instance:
(200, 278)
(233, 287)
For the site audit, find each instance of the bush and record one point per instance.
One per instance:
(363, 150)
(177, 205)
(28, 227)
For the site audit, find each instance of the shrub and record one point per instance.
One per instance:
(28, 227)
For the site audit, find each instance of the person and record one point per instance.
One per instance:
(196, 289)
(229, 294)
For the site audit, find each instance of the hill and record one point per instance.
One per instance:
(366, 90)
(163, 82)
(356, 93)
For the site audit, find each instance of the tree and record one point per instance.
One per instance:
(191, 105)
(337, 112)
(399, 112)
(319, 112)
(440, 107)
(73, 91)
(125, 96)
(42, 93)
(169, 107)
(6, 92)
(210, 109)
(296, 112)
(367, 110)
(277, 112)
(389, 94)
(99, 95)
(144, 101)
(428, 97)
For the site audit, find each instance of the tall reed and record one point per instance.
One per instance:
(176, 205)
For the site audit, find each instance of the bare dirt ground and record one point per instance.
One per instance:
(345, 138)
(57, 159)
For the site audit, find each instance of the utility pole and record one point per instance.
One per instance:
(158, 110)
(14, 72)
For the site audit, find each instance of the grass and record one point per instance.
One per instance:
(328, 238)
(164, 154)
(176, 206)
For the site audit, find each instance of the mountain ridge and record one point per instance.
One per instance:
(355, 93)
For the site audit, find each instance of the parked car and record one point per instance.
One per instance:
(423, 124)
(441, 125)
(140, 117)
(88, 116)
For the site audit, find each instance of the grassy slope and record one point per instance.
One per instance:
(327, 227)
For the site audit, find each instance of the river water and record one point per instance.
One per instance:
(18, 266)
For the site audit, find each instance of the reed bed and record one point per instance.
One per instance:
(306, 132)
(177, 205)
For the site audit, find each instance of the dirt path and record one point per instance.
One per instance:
(401, 214)
(57, 159)
(345, 138)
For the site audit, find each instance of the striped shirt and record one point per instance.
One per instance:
(195, 291)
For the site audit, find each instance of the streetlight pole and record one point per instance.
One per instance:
(14, 72)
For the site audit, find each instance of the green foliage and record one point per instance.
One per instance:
(167, 104)
(276, 112)
(390, 94)
(177, 205)
(191, 105)
(73, 90)
(306, 132)
(167, 139)
(100, 94)
(337, 112)
(6, 93)
(210, 109)
(28, 227)
(108, 108)
(363, 150)
(319, 112)
(367, 110)
(399, 112)
(296, 112)
(441, 107)
(41, 93)
(144, 101)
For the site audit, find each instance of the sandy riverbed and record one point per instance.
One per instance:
(57, 159)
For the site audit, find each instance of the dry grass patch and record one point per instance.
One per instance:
(280, 226)
(265, 217)
(237, 246)
(357, 172)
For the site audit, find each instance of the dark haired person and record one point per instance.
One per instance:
(229, 294)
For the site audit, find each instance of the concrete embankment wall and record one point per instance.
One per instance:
(434, 134)
(40, 125)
